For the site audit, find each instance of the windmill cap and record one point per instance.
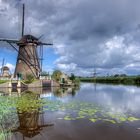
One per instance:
(28, 39)
(5, 68)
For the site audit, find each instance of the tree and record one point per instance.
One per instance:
(44, 73)
(57, 75)
(123, 75)
(29, 79)
(72, 77)
(116, 75)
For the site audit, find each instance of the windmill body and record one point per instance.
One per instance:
(27, 60)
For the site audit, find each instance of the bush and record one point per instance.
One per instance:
(77, 81)
(72, 77)
(127, 80)
(56, 75)
(29, 79)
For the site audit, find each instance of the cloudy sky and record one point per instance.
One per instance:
(104, 34)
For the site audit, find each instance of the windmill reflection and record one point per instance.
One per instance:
(65, 91)
(30, 115)
(29, 108)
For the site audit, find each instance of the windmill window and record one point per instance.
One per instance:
(29, 40)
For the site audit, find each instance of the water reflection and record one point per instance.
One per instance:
(29, 107)
(56, 91)
(65, 91)
(95, 103)
(118, 98)
(30, 115)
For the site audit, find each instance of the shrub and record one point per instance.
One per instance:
(29, 79)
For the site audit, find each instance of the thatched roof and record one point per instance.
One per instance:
(5, 68)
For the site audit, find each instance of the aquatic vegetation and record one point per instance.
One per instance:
(12, 106)
(68, 118)
(90, 111)
(5, 135)
(52, 105)
(73, 110)
(6, 110)
(93, 120)
(133, 119)
(28, 103)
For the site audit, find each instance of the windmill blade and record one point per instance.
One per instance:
(40, 37)
(47, 42)
(41, 43)
(9, 40)
(40, 56)
(23, 16)
(2, 65)
(3, 61)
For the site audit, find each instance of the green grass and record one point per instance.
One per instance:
(128, 80)
(29, 81)
(3, 81)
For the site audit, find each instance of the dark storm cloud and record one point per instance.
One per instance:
(100, 33)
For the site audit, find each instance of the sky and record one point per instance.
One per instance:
(87, 34)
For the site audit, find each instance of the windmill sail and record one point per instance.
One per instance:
(2, 66)
(9, 40)
(23, 15)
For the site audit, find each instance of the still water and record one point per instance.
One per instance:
(92, 112)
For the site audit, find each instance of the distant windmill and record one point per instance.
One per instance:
(95, 73)
(2, 66)
(28, 61)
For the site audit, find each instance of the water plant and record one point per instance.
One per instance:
(73, 110)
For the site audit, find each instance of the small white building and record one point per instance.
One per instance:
(64, 79)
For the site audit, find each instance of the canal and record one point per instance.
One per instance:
(92, 112)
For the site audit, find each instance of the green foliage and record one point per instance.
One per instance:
(72, 77)
(28, 102)
(6, 110)
(68, 118)
(3, 81)
(44, 73)
(81, 110)
(127, 80)
(137, 80)
(56, 75)
(76, 82)
(29, 79)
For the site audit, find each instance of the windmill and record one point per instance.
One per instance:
(95, 73)
(2, 66)
(28, 61)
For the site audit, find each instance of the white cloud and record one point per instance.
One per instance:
(10, 66)
(67, 67)
(104, 35)
(112, 56)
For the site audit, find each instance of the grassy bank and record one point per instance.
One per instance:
(128, 80)
(3, 81)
